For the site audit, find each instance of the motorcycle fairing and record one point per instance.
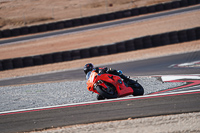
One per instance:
(122, 90)
(117, 82)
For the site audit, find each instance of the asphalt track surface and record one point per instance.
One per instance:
(148, 67)
(101, 25)
(119, 109)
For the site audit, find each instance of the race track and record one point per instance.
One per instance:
(155, 66)
(96, 26)
(179, 99)
(27, 120)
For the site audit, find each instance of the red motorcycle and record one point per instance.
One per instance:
(111, 86)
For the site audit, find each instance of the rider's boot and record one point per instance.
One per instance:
(127, 80)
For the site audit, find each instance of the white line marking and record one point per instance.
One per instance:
(91, 102)
(178, 77)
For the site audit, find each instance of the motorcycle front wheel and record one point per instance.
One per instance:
(107, 93)
(99, 97)
(138, 90)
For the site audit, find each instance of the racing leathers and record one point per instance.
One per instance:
(114, 72)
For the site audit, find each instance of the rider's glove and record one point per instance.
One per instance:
(101, 71)
(96, 69)
(112, 71)
(105, 69)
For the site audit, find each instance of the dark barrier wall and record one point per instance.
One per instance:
(124, 46)
(95, 19)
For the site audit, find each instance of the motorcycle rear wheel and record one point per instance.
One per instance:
(106, 94)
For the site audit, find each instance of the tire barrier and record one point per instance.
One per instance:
(76, 22)
(84, 53)
(173, 37)
(47, 58)
(101, 18)
(24, 31)
(112, 49)
(17, 63)
(167, 6)
(156, 40)
(119, 47)
(15, 32)
(147, 43)
(159, 7)
(75, 54)
(96, 19)
(68, 24)
(184, 3)
(197, 31)
(94, 51)
(182, 36)
(27, 61)
(7, 64)
(126, 13)
(164, 39)
(38, 60)
(33, 29)
(42, 28)
(175, 4)
(6, 33)
(151, 9)
(192, 2)
(191, 34)
(129, 45)
(143, 10)
(51, 26)
(57, 57)
(110, 16)
(66, 56)
(59, 25)
(1, 66)
(138, 43)
(102, 50)
(135, 12)
(85, 21)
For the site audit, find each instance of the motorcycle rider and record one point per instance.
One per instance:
(90, 67)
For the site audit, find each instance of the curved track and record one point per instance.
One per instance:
(155, 66)
(145, 106)
(117, 109)
(150, 105)
(96, 26)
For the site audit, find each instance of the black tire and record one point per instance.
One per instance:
(138, 90)
(99, 97)
(102, 91)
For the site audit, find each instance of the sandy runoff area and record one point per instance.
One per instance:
(17, 13)
(101, 37)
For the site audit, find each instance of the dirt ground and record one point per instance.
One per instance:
(17, 13)
(122, 57)
(180, 123)
(101, 36)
